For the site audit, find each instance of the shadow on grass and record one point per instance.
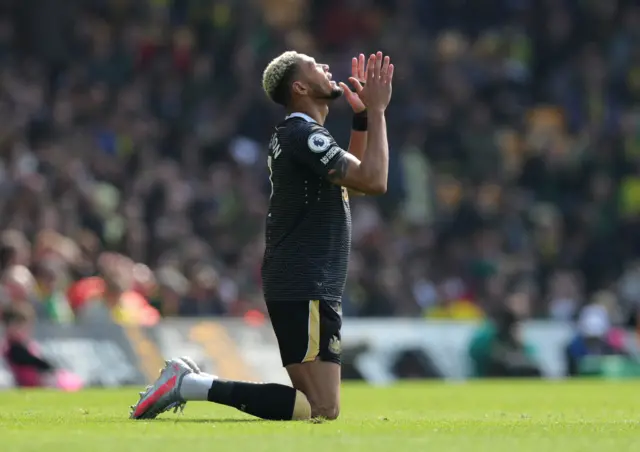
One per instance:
(209, 421)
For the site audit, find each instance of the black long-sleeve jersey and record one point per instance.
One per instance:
(308, 230)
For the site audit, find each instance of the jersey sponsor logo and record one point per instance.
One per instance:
(318, 142)
(329, 155)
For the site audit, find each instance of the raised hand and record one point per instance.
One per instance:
(357, 79)
(376, 94)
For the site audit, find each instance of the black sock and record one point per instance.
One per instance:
(264, 400)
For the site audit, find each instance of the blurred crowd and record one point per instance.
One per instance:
(133, 154)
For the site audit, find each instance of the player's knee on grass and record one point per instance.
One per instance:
(320, 382)
(329, 411)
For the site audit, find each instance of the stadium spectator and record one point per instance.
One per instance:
(596, 341)
(28, 368)
(51, 282)
(21, 353)
(139, 128)
(498, 349)
(202, 300)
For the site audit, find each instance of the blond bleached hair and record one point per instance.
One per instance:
(274, 78)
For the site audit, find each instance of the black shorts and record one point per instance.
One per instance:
(307, 330)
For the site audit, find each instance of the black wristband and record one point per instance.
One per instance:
(359, 122)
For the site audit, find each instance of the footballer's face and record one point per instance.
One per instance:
(317, 80)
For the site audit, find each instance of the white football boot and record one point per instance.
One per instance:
(164, 394)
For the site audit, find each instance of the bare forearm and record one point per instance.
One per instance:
(375, 162)
(357, 148)
(358, 144)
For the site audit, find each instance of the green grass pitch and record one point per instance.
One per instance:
(472, 417)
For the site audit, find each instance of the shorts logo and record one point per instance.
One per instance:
(335, 346)
(318, 142)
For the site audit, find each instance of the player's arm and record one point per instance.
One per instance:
(317, 150)
(358, 143)
(358, 140)
(322, 154)
(357, 148)
(369, 175)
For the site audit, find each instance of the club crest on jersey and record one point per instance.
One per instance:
(319, 142)
(335, 346)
